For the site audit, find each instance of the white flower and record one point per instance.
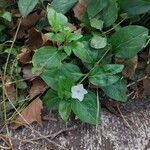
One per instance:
(78, 92)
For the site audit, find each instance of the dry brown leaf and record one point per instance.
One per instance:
(72, 27)
(32, 19)
(24, 57)
(38, 87)
(146, 83)
(9, 89)
(32, 113)
(130, 65)
(27, 72)
(80, 9)
(36, 39)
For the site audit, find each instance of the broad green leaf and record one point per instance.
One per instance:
(109, 14)
(64, 109)
(51, 99)
(68, 50)
(63, 6)
(117, 91)
(56, 20)
(26, 6)
(98, 42)
(46, 57)
(95, 6)
(58, 37)
(7, 16)
(105, 75)
(86, 110)
(135, 7)
(97, 23)
(80, 51)
(128, 41)
(68, 70)
(64, 87)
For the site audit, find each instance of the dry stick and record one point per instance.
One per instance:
(52, 136)
(126, 121)
(17, 81)
(2, 147)
(136, 81)
(97, 116)
(5, 112)
(22, 140)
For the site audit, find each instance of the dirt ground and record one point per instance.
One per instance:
(131, 131)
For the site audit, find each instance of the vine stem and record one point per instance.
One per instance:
(96, 64)
(3, 78)
(12, 45)
(115, 26)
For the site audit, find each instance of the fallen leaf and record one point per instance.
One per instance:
(32, 19)
(27, 72)
(36, 39)
(9, 89)
(130, 65)
(24, 57)
(38, 87)
(72, 27)
(32, 113)
(146, 83)
(80, 9)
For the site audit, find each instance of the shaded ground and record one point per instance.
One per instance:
(113, 133)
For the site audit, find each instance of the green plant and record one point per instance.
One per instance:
(61, 63)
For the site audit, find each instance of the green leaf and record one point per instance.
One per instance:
(109, 14)
(97, 23)
(134, 7)
(68, 49)
(64, 109)
(128, 41)
(2, 27)
(58, 37)
(117, 91)
(80, 51)
(56, 20)
(46, 57)
(98, 42)
(95, 6)
(64, 87)
(105, 75)
(26, 6)
(86, 110)
(7, 16)
(69, 71)
(51, 99)
(63, 6)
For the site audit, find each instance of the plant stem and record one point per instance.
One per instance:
(96, 64)
(115, 26)
(12, 45)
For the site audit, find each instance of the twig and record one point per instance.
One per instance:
(52, 136)
(136, 81)
(126, 121)
(12, 45)
(97, 117)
